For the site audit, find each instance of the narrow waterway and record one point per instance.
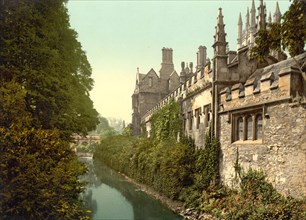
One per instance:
(110, 196)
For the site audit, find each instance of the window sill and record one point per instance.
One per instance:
(248, 142)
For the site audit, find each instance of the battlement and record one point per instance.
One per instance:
(196, 83)
(274, 82)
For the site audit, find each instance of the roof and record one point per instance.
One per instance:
(277, 67)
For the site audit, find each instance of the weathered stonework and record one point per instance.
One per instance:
(255, 108)
(281, 154)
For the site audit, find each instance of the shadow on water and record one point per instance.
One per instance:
(142, 206)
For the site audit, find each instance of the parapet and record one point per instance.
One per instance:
(272, 83)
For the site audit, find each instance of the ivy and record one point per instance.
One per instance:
(166, 123)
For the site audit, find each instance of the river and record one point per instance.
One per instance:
(111, 196)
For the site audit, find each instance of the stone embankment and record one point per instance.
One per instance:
(175, 206)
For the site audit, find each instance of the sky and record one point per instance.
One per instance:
(120, 36)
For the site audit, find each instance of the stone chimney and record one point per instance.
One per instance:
(201, 57)
(167, 56)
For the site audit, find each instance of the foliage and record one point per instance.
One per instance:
(294, 28)
(207, 162)
(45, 80)
(257, 199)
(32, 163)
(166, 123)
(38, 44)
(31, 177)
(291, 33)
(128, 130)
(177, 170)
(266, 41)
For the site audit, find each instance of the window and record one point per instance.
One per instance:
(258, 127)
(206, 112)
(150, 81)
(184, 122)
(247, 126)
(239, 129)
(197, 115)
(228, 94)
(190, 120)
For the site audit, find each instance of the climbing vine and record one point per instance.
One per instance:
(166, 123)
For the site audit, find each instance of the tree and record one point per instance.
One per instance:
(32, 164)
(294, 28)
(290, 34)
(45, 80)
(36, 39)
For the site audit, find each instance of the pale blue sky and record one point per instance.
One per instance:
(119, 36)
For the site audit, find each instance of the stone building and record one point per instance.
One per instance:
(150, 88)
(255, 109)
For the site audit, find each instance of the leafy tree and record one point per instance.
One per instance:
(290, 34)
(32, 164)
(294, 28)
(103, 125)
(36, 39)
(45, 80)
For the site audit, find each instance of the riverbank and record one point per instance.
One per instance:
(175, 206)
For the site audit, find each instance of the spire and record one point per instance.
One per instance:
(220, 34)
(239, 39)
(253, 16)
(269, 18)
(220, 41)
(277, 15)
(247, 21)
(261, 19)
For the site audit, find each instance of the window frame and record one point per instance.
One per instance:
(250, 123)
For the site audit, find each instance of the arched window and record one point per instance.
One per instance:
(258, 127)
(240, 128)
(249, 126)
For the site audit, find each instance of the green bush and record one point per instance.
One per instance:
(257, 199)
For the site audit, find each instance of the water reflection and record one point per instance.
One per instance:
(110, 196)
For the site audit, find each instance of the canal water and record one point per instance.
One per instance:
(111, 197)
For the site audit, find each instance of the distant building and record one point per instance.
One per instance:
(257, 109)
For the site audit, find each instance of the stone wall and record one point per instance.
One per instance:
(281, 154)
(195, 98)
